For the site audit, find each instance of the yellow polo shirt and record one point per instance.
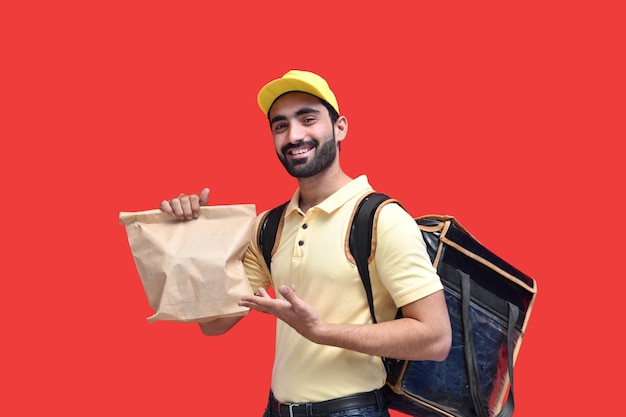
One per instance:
(312, 257)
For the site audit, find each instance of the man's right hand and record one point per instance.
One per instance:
(186, 207)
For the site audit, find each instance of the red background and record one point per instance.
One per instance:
(508, 116)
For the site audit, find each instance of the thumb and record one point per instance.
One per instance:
(204, 197)
(289, 293)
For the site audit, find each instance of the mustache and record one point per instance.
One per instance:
(287, 147)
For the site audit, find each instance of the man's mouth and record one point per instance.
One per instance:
(299, 151)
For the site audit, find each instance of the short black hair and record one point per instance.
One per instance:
(334, 116)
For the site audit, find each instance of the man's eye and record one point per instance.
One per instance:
(279, 127)
(309, 119)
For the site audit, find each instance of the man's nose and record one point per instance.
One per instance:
(296, 133)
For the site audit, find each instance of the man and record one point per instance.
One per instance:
(328, 351)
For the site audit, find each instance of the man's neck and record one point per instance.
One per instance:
(314, 190)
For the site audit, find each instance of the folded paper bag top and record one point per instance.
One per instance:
(192, 271)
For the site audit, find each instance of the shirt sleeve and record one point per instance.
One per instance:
(254, 263)
(401, 259)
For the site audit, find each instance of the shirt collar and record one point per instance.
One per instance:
(354, 188)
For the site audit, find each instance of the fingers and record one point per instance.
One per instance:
(184, 202)
(204, 197)
(194, 204)
(186, 207)
(263, 293)
(289, 294)
(263, 303)
(166, 207)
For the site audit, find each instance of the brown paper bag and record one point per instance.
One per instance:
(192, 271)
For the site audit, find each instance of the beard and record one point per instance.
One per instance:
(325, 155)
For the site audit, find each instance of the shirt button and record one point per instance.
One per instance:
(304, 226)
(301, 242)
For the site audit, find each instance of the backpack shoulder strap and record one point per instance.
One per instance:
(268, 232)
(360, 240)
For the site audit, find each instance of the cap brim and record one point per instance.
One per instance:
(276, 88)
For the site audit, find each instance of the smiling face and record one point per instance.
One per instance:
(304, 136)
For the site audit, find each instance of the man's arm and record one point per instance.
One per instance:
(219, 326)
(423, 333)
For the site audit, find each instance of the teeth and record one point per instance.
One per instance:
(299, 151)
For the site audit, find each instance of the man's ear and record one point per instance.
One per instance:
(341, 128)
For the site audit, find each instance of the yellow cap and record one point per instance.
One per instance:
(296, 80)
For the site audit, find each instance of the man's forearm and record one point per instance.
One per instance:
(218, 326)
(404, 338)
